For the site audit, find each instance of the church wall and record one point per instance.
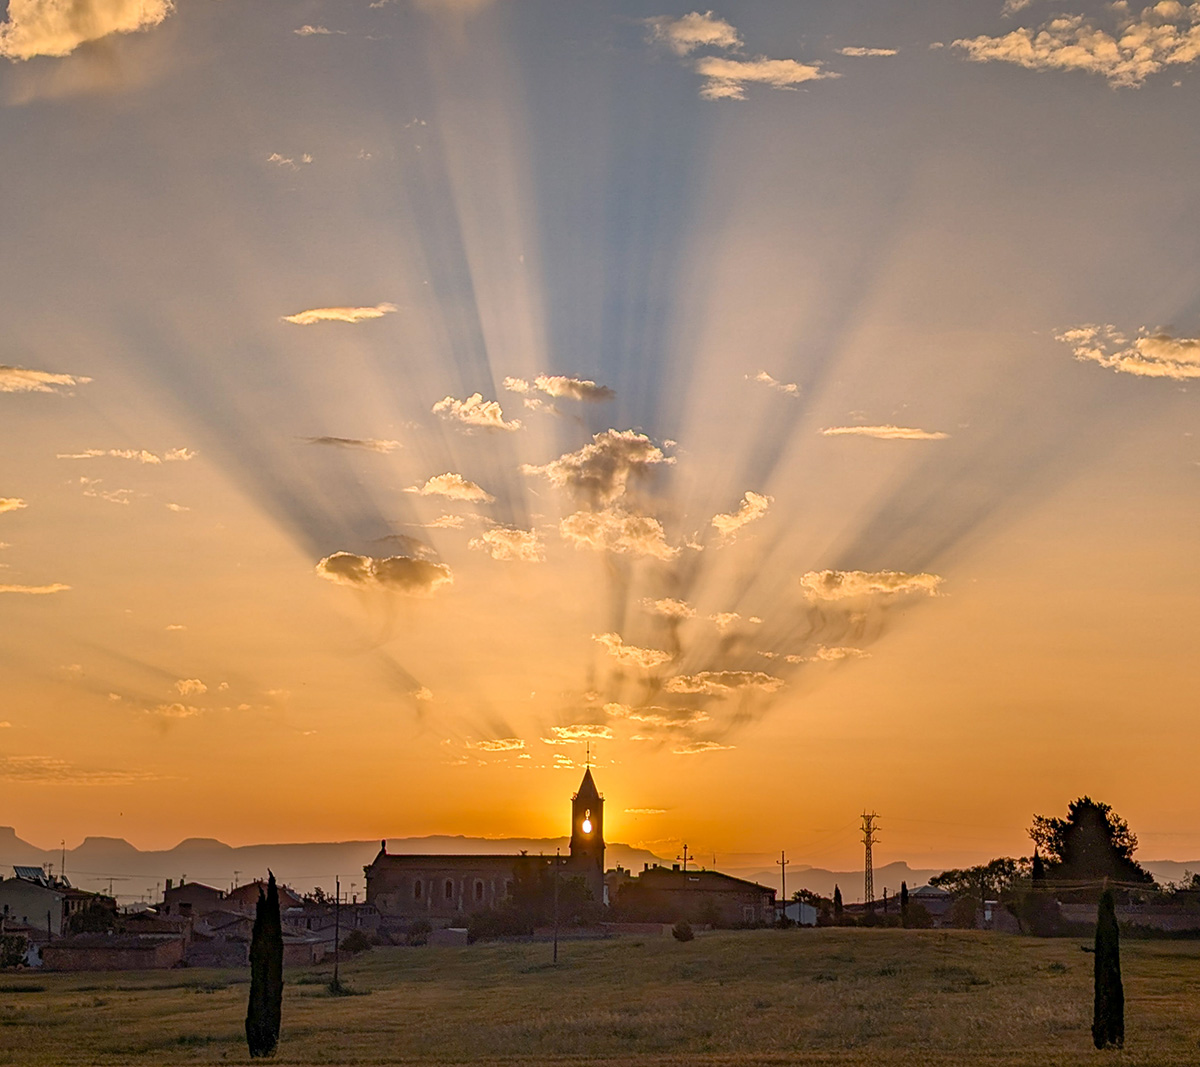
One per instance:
(439, 889)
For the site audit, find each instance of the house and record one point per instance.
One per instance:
(662, 894)
(244, 898)
(935, 900)
(800, 913)
(189, 898)
(113, 952)
(33, 898)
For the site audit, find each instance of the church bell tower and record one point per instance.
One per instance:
(587, 836)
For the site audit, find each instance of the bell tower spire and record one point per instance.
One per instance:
(587, 834)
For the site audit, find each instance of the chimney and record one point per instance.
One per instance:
(168, 889)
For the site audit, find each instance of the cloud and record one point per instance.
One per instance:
(172, 627)
(367, 444)
(599, 472)
(1150, 355)
(140, 455)
(726, 79)
(174, 711)
(645, 811)
(790, 388)
(669, 608)
(754, 506)
(177, 507)
(582, 731)
(47, 769)
(1011, 7)
(475, 411)
(510, 544)
(694, 748)
(842, 585)
(346, 314)
(190, 687)
(35, 590)
(631, 655)
(423, 693)
(113, 496)
(885, 433)
(615, 530)
(444, 522)
(453, 487)
(689, 32)
(23, 380)
(858, 52)
(560, 386)
(668, 718)
(11, 503)
(500, 744)
(400, 574)
(1135, 46)
(718, 683)
(287, 161)
(318, 31)
(830, 655)
(58, 27)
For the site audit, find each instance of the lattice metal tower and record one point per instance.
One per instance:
(869, 839)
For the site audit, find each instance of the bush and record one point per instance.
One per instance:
(682, 931)
(918, 916)
(355, 942)
(418, 933)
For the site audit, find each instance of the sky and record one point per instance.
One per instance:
(794, 403)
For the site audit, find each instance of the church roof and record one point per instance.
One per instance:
(587, 788)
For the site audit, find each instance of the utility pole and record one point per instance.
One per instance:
(686, 858)
(869, 839)
(62, 867)
(235, 878)
(783, 862)
(556, 854)
(336, 986)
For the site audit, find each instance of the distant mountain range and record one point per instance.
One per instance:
(133, 874)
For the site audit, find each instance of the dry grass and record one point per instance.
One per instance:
(836, 997)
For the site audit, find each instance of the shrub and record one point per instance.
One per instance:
(355, 942)
(418, 933)
(682, 931)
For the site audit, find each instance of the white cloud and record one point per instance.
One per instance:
(694, 748)
(401, 574)
(833, 654)
(174, 711)
(35, 590)
(453, 487)
(885, 433)
(177, 507)
(668, 718)
(631, 655)
(318, 31)
(858, 52)
(583, 731)
(344, 314)
(726, 79)
(11, 503)
(842, 585)
(423, 693)
(288, 162)
(140, 455)
(500, 744)
(444, 522)
(510, 544)
(724, 619)
(790, 388)
(754, 506)
(475, 411)
(614, 530)
(695, 30)
(718, 683)
(599, 472)
(1135, 45)
(367, 444)
(23, 380)
(561, 386)
(190, 687)
(669, 608)
(58, 27)
(1012, 7)
(1150, 355)
(172, 627)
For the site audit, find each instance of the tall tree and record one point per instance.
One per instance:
(1092, 842)
(904, 904)
(1108, 1014)
(1038, 873)
(837, 904)
(265, 1009)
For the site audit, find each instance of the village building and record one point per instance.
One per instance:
(443, 890)
(669, 894)
(33, 899)
(189, 898)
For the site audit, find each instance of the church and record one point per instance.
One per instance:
(444, 890)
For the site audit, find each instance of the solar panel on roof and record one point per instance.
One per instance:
(31, 874)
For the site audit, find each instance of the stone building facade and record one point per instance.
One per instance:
(445, 889)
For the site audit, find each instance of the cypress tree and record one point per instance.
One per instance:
(266, 974)
(904, 904)
(837, 904)
(1108, 1017)
(1039, 868)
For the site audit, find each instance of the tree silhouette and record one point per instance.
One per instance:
(1092, 842)
(1038, 872)
(1108, 1015)
(904, 904)
(837, 904)
(264, 1011)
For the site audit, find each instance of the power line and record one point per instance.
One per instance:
(869, 839)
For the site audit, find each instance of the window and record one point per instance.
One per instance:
(478, 890)
(449, 889)
(417, 889)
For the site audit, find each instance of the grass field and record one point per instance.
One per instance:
(836, 996)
